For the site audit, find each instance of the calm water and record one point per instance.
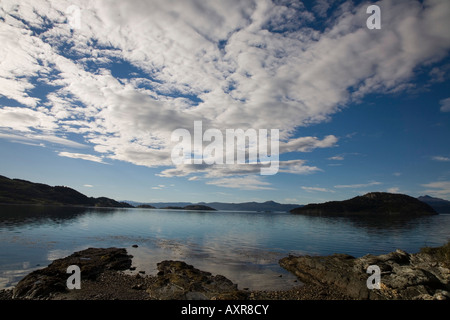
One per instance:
(243, 246)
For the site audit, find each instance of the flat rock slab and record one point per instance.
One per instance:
(46, 282)
(403, 276)
(180, 281)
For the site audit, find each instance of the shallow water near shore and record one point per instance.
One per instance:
(243, 246)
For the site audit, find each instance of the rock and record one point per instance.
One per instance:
(43, 283)
(403, 276)
(6, 294)
(137, 286)
(177, 280)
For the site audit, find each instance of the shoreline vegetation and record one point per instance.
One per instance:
(420, 276)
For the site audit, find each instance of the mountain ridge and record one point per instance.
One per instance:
(438, 204)
(269, 205)
(18, 191)
(372, 203)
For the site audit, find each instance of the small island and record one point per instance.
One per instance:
(145, 206)
(373, 203)
(192, 207)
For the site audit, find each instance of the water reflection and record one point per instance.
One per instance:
(243, 246)
(375, 224)
(258, 271)
(20, 215)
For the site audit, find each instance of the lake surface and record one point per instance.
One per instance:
(243, 246)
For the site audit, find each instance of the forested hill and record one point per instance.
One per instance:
(16, 191)
(373, 203)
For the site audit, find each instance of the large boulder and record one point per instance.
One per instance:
(177, 280)
(403, 276)
(44, 283)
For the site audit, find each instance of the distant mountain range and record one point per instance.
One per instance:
(440, 205)
(252, 206)
(16, 191)
(243, 206)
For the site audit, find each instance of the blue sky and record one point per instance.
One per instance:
(90, 92)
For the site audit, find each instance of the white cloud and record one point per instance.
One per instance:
(393, 190)
(337, 158)
(82, 156)
(321, 7)
(441, 158)
(297, 167)
(307, 144)
(437, 188)
(37, 139)
(159, 187)
(243, 183)
(357, 186)
(445, 105)
(313, 189)
(88, 185)
(224, 170)
(214, 61)
(24, 119)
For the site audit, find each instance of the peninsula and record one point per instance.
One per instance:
(373, 203)
(17, 191)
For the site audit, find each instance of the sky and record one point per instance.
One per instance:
(91, 93)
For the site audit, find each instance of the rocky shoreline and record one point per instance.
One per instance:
(404, 276)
